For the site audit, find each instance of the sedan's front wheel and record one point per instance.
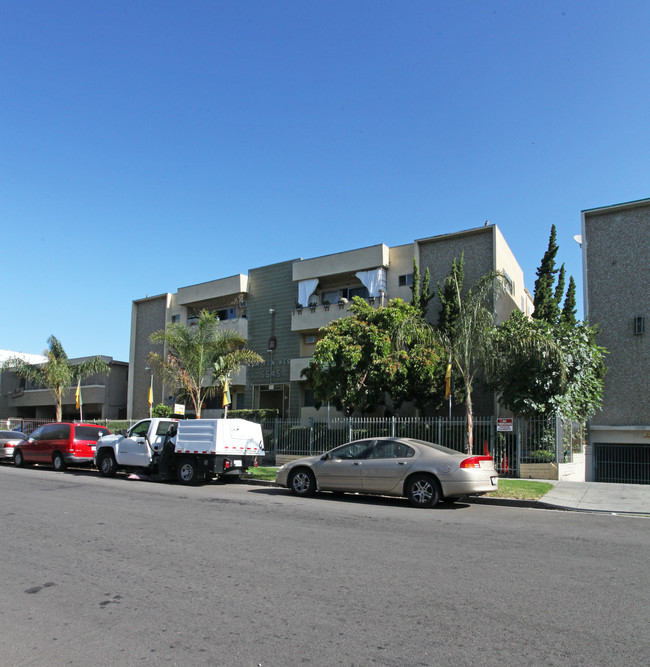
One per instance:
(422, 491)
(302, 483)
(19, 459)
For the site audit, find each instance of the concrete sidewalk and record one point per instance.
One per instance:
(599, 497)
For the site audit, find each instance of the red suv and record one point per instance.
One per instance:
(60, 444)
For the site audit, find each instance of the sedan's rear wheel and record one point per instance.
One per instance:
(422, 491)
(302, 482)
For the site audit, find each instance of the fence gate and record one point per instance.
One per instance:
(622, 464)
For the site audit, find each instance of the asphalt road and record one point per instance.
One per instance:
(117, 572)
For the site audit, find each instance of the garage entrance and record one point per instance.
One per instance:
(621, 463)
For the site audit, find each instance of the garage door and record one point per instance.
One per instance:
(622, 464)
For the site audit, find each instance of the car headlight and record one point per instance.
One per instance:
(281, 468)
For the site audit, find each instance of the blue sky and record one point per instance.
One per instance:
(149, 145)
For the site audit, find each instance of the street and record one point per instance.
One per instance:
(122, 572)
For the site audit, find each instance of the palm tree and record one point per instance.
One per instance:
(56, 374)
(199, 358)
(466, 340)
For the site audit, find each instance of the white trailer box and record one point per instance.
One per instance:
(228, 437)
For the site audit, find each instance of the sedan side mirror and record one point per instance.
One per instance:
(324, 457)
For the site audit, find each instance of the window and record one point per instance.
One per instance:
(141, 429)
(389, 449)
(227, 314)
(355, 450)
(332, 296)
(356, 291)
(89, 433)
(509, 284)
(176, 318)
(406, 280)
(308, 399)
(165, 428)
(56, 432)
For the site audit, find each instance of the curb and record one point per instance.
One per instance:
(479, 500)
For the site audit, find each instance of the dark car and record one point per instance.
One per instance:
(60, 444)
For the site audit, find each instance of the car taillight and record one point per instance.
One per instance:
(474, 461)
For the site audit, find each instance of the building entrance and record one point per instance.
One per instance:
(272, 397)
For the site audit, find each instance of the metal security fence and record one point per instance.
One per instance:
(532, 440)
(538, 440)
(622, 464)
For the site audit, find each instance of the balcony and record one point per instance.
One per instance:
(342, 263)
(313, 318)
(239, 325)
(205, 293)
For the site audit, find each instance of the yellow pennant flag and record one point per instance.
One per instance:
(448, 381)
(150, 396)
(226, 394)
(77, 395)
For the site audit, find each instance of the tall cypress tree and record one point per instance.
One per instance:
(556, 307)
(544, 299)
(415, 286)
(568, 315)
(448, 295)
(421, 294)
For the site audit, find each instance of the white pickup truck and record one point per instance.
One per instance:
(189, 451)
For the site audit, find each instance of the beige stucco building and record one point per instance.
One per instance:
(280, 308)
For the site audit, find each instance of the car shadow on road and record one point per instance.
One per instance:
(360, 499)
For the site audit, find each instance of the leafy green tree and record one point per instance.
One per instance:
(358, 362)
(546, 306)
(192, 353)
(57, 374)
(568, 315)
(350, 368)
(543, 369)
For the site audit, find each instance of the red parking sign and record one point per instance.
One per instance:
(504, 424)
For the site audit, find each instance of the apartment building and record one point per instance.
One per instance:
(616, 276)
(279, 309)
(104, 395)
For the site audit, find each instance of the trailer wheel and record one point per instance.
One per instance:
(186, 471)
(106, 464)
